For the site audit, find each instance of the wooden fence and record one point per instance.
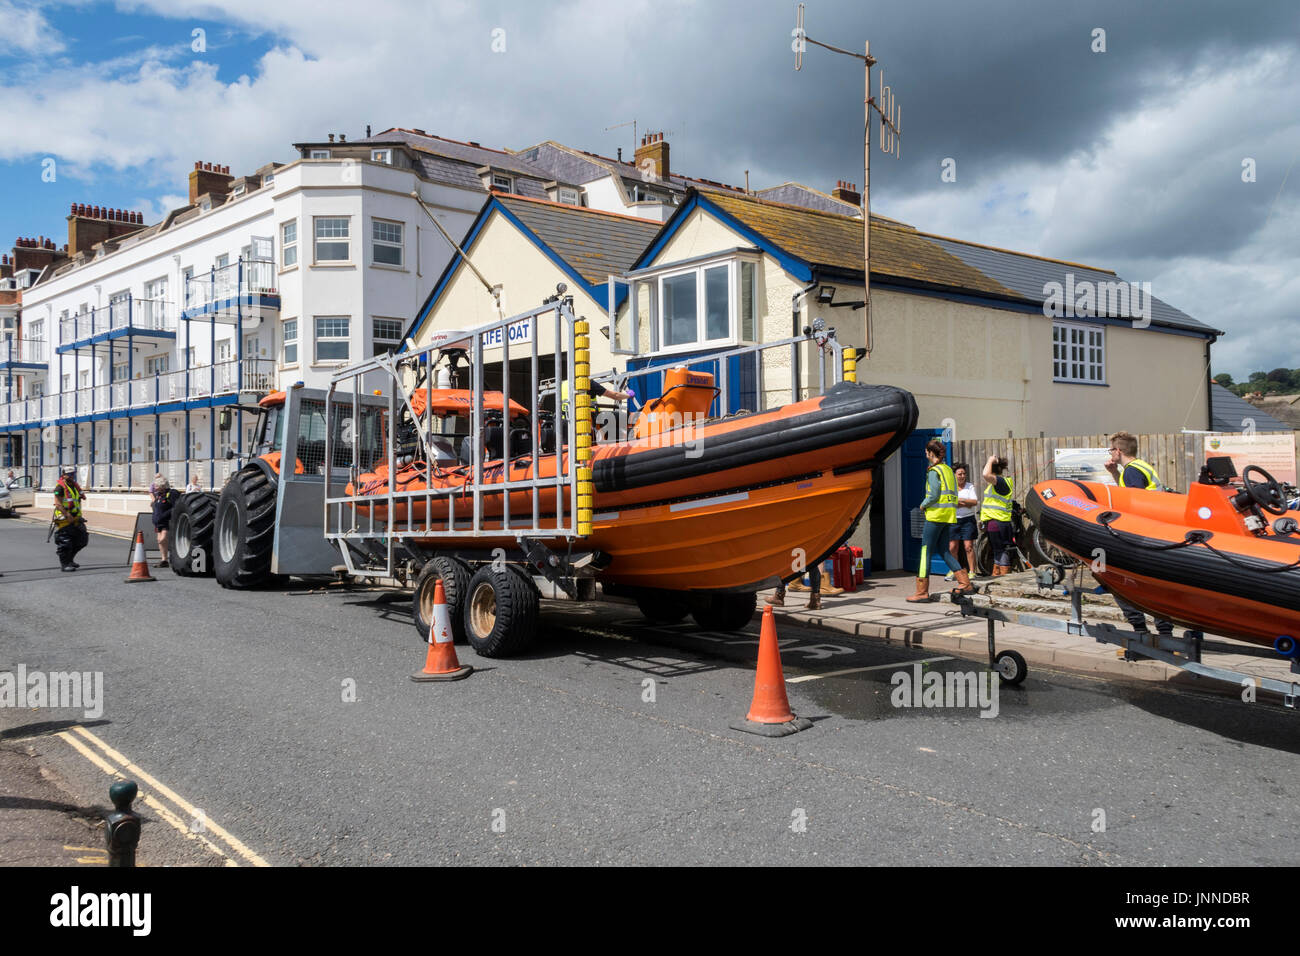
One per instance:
(1177, 457)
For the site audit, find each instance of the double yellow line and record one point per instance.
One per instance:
(202, 828)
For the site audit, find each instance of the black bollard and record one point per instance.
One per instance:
(123, 829)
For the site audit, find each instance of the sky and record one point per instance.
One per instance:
(1164, 147)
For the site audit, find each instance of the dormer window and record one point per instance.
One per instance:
(381, 156)
(268, 179)
(238, 190)
(501, 181)
(569, 196)
(318, 154)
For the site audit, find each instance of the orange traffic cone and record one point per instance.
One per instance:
(770, 714)
(441, 662)
(139, 566)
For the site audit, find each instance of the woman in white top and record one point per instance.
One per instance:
(193, 485)
(967, 528)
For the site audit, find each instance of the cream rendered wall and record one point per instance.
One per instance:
(504, 256)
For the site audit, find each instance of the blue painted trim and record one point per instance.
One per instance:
(253, 300)
(37, 366)
(113, 334)
(599, 292)
(142, 411)
(797, 267)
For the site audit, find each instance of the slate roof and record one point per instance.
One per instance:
(596, 244)
(1230, 413)
(797, 194)
(830, 240)
(455, 163)
(1028, 275)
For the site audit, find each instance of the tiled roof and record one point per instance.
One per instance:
(1230, 413)
(831, 240)
(797, 194)
(594, 243)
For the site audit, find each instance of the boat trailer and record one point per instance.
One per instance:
(1182, 652)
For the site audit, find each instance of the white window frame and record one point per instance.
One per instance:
(1078, 350)
(318, 154)
(700, 344)
(288, 247)
(345, 239)
(287, 342)
(376, 340)
(501, 181)
(384, 156)
(124, 367)
(121, 451)
(157, 364)
(377, 243)
(568, 196)
(317, 339)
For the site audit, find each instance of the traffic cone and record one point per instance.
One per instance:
(441, 662)
(769, 714)
(139, 566)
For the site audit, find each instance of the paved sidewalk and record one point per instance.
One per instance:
(97, 522)
(879, 609)
(41, 824)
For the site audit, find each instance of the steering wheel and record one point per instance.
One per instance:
(1267, 493)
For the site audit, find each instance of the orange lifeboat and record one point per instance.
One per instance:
(719, 504)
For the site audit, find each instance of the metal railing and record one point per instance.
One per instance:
(136, 475)
(147, 315)
(219, 284)
(23, 350)
(200, 381)
(443, 509)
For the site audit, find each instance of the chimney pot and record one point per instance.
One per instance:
(331, 136)
(343, 137)
(198, 165)
(367, 131)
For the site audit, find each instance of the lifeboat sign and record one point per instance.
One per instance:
(521, 333)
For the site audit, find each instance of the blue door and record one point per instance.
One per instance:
(914, 465)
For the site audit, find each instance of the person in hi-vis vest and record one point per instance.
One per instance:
(940, 507)
(999, 500)
(70, 534)
(1130, 471)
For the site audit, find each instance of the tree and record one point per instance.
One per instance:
(1224, 379)
(1282, 375)
(1258, 376)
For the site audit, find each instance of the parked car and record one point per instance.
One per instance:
(22, 494)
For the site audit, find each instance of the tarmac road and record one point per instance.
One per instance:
(281, 727)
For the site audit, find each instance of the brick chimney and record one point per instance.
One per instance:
(6, 268)
(847, 192)
(34, 254)
(207, 178)
(654, 149)
(88, 225)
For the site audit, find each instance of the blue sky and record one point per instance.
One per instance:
(1128, 158)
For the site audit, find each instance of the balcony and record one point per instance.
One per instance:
(146, 394)
(138, 475)
(249, 283)
(26, 355)
(152, 318)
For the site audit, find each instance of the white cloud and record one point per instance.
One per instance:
(26, 31)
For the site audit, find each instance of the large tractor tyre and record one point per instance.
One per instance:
(500, 611)
(984, 556)
(455, 575)
(662, 607)
(724, 612)
(189, 543)
(245, 531)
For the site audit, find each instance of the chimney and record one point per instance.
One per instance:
(88, 225)
(367, 131)
(6, 267)
(331, 136)
(207, 178)
(654, 149)
(343, 137)
(847, 192)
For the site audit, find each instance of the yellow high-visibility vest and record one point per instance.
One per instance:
(997, 507)
(944, 511)
(1153, 480)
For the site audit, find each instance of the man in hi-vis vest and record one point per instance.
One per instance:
(1129, 471)
(70, 534)
(940, 507)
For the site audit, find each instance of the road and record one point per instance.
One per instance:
(285, 724)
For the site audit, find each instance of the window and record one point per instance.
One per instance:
(289, 244)
(332, 338)
(381, 156)
(387, 336)
(387, 242)
(223, 260)
(67, 383)
(290, 341)
(696, 306)
(569, 196)
(238, 190)
(332, 240)
(121, 370)
(191, 357)
(250, 346)
(318, 154)
(36, 331)
(680, 315)
(121, 452)
(157, 364)
(268, 179)
(500, 181)
(748, 314)
(1078, 353)
(223, 351)
(84, 379)
(164, 446)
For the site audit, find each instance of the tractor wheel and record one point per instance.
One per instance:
(189, 546)
(245, 531)
(984, 556)
(724, 612)
(455, 575)
(500, 611)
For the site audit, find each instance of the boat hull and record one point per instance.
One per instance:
(1225, 581)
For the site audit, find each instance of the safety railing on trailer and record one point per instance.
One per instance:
(474, 484)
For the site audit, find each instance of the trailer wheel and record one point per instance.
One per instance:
(190, 541)
(245, 531)
(1011, 668)
(455, 575)
(984, 556)
(724, 612)
(500, 611)
(662, 608)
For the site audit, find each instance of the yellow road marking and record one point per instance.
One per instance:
(92, 849)
(858, 670)
(171, 795)
(93, 859)
(131, 769)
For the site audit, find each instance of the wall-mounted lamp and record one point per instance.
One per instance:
(825, 294)
(604, 330)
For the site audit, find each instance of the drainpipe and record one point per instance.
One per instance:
(796, 331)
(1209, 379)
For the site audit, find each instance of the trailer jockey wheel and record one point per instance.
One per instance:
(1267, 493)
(1011, 668)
